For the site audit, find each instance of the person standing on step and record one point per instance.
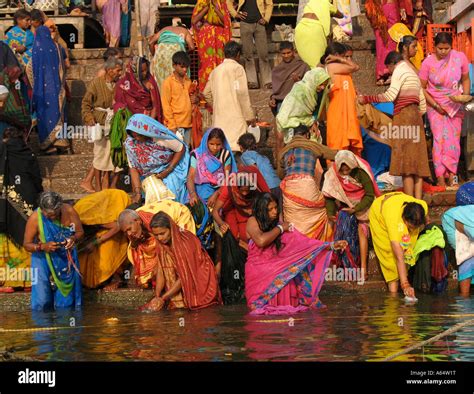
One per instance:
(254, 15)
(228, 94)
(97, 109)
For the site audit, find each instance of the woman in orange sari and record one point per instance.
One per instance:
(185, 274)
(211, 25)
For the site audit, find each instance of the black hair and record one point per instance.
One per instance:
(334, 48)
(348, 48)
(232, 49)
(393, 58)
(260, 212)
(20, 14)
(12, 132)
(301, 129)
(286, 45)
(443, 38)
(37, 15)
(110, 52)
(414, 213)
(181, 58)
(217, 133)
(405, 42)
(160, 219)
(247, 141)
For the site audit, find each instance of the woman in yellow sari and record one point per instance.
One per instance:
(395, 220)
(407, 44)
(313, 29)
(106, 246)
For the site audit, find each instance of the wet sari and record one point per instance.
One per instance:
(49, 94)
(58, 282)
(152, 157)
(96, 210)
(286, 281)
(211, 35)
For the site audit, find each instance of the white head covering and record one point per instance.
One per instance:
(3, 92)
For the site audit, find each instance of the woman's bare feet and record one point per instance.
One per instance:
(441, 181)
(87, 186)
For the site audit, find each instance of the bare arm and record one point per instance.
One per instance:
(136, 184)
(466, 83)
(401, 267)
(189, 41)
(177, 156)
(339, 65)
(193, 199)
(261, 239)
(197, 18)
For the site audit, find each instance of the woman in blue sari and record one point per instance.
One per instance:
(155, 153)
(211, 163)
(20, 38)
(49, 94)
(51, 234)
(458, 223)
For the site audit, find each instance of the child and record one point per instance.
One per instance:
(250, 157)
(176, 99)
(20, 38)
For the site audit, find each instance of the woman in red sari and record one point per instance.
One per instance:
(231, 213)
(185, 274)
(211, 24)
(137, 90)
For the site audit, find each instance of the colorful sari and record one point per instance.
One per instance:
(194, 267)
(210, 170)
(96, 210)
(211, 35)
(15, 111)
(16, 37)
(444, 78)
(58, 282)
(465, 194)
(400, 30)
(49, 94)
(111, 19)
(382, 17)
(287, 281)
(162, 65)
(131, 93)
(150, 157)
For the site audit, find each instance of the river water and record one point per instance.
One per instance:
(366, 327)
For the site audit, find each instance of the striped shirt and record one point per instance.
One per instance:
(405, 89)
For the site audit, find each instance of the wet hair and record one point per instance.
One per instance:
(232, 49)
(112, 62)
(181, 58)
(393, 58)
(37, 15)
(247, 141)
(414, 213)
(217, 133)
(301, 130)
(50, 200)
(348, 48)
(260, 212)
(126, 215)
(406, 41)
(12, 132)
(334, 48)
(20, 14)
(160, 219)
(110, 52)
(443, 38)
(286, 45)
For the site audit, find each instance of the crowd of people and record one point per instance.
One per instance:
(209, 219)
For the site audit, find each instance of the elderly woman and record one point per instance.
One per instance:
(396, 219)
(51, 234)
(156, 156)
(445, 74)
(185, 274)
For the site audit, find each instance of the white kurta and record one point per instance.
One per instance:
(227, 92)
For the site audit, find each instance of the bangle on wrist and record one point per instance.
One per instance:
(281, 228)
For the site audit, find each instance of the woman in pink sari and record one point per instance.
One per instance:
(444, 74)
(111, 14)
(285, 269)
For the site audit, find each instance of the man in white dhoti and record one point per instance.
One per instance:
(227, 92)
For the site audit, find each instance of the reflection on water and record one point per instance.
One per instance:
(354, 327)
